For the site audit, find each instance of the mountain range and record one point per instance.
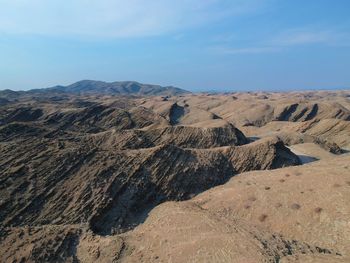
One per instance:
(93, 87)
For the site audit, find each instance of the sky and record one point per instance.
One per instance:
(198, 45)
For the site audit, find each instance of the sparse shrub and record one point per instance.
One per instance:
(262, 217)
(267, 187)
(295, 206)
(318, 210)
(282, 180)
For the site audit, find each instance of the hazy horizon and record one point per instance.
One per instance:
(215, 45)
(207, 90)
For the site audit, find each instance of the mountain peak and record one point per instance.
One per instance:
(117, 88)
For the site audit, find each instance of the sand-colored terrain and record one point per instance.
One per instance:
(235, 177)
(287, 214)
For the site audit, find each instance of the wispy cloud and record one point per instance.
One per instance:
(287, 40)
(113, 18)
(296, 37)
(247, 50)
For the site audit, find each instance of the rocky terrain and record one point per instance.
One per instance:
(104, 177)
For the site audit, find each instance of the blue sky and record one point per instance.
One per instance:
(194, 44)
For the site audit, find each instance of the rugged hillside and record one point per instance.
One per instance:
(288, 215)
(330, 129)
(107, 164)
(309, 111)
(258, 109)
(87, 178)
(71, 181)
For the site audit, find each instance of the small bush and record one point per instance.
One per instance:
(262, 217)
(295, 206)
(318, 210)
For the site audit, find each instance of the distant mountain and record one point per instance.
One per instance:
(116, 88)
(86, 87)
(9, 94)
(3, 101)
